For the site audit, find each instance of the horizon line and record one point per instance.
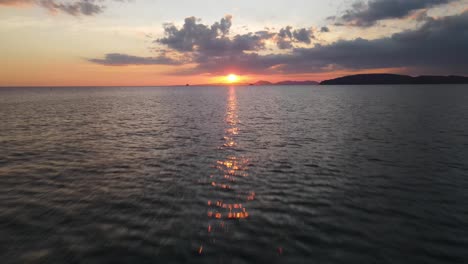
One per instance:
(221, 84)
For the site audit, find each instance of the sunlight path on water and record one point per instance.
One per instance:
(230, 195)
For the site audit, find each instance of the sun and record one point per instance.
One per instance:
(232, 78)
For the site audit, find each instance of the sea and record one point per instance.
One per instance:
(233, 174)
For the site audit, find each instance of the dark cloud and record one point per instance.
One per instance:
(117, 59)
(16, 2)
(324, 30)
(223, 26)
(285, 32)
(438, 46)
(284, 38)
(71, 7)
(196, 43)
(303, 35)
(287, 36)
(211, 40)
(82, 7)
(365, 14)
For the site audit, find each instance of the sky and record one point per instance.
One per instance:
(156, 42)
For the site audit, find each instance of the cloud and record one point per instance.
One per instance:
(324, 30)
(16, 2)
(437, 46)
(117, 59)
(210, 45)
(303, 35)
(82, 7)
(367, 14)
(71, 7)
(287, 36)
(211, 40)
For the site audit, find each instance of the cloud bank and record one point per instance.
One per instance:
(211, 45)
(366, 14)
(71, 7)
(117, 59)
(438, 46)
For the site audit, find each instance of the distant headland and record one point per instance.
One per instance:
(259, 83)
(285, 83)
(360, 79)
(369, 79)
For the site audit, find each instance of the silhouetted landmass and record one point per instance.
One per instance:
(368, 79)
(263, 83)
(297, 83)
(286, 83)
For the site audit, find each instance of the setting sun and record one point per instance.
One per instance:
(232, 78)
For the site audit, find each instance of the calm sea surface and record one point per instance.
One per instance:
(301, 174)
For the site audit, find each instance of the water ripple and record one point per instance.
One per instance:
(234, 175)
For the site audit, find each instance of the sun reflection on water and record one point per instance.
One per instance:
(229, 181)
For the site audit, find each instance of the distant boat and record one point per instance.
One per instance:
(187, 84)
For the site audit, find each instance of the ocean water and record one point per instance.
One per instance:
(299, 174)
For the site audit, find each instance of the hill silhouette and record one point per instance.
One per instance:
(286, 83)
(368, 79)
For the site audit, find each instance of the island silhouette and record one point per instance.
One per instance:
(386, 78)
(360, 79)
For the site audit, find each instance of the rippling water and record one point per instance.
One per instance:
(370, 174)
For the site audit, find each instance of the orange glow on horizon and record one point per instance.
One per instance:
(232, 78)
(71, 73)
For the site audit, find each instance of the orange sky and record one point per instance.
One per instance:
(48, 46)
